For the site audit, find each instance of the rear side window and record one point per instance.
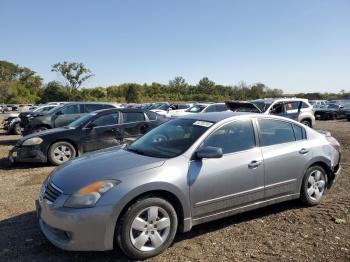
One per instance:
(298, 132)
(233, 137)
(71, 109)
(129, 117)
(292, 107)
(304, 105)
(274, 132)
(107, 119)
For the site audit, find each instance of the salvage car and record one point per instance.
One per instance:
(330, 112)
(13, 123)
(94, 131)
(185, 172)
(60, 116)
(295, 108)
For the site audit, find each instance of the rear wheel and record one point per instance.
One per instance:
(147, 228)
(314, 185)
(61, 152)
(306, 122)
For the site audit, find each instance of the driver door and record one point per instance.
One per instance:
(234, 180)
(103, 132)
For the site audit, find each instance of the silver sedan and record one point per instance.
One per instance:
(185, 172)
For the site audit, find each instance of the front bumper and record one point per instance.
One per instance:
(27, 154)
(81, 229)
(335, 175)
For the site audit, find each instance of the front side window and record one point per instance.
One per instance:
(220, 108)
(274, 132)
(170, 139)
(210, 109)
(93, 107)
(233, 137)
(71, 109)
(106, 120)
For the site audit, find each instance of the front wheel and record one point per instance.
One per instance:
(17, 129)
(147, 228)
(314, 186)
(61, 152)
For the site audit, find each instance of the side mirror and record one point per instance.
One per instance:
(59, 113)
(209, 152)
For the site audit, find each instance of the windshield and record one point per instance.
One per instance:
(81, 121)
(43, 109)
(261, 105)
(170, 139)
(196, 108)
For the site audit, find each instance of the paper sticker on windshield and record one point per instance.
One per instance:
(202, 123)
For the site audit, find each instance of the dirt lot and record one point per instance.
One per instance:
(286, 231)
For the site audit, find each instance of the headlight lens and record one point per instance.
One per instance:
(89, 195)
(33, 141)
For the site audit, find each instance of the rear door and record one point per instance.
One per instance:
(286, 152)
(67, 115)
(134, 125)
(104, 131)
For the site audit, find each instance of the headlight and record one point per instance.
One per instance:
(88, 196)
(33, 141)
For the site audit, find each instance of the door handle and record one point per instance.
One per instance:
(254, 164)
(303, 151)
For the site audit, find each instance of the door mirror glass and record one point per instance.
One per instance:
(209, 152)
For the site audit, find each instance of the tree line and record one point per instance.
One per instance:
(21, 85)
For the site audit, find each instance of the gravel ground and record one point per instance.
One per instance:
(286, 231)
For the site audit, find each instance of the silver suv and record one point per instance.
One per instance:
(185, 172)
(298, 109)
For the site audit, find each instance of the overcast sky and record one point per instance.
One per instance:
(296, 45)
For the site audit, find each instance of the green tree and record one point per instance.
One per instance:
(54, 91)
(132, 94)
(75, 74)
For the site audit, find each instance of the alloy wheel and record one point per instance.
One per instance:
(316, 185)
(150, 228)
(62, 153)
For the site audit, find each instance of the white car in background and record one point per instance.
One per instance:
(169, 110)
(202, 108)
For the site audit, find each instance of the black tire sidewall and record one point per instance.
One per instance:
(123, 231)
(52, 148)
(306, 123)
(303, 193)
(15, 129)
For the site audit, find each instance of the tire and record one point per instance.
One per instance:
(315, 180)
(40, 128)
(144, 242)
(306, 122)
(16, 130)
(61, 152)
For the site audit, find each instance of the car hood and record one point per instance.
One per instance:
(44, 133)
(113, 163)
(242, 106)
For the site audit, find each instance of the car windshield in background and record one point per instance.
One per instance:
(196, 108)
(81, 121)
(55, 109)
(170, 139)
(261, 105)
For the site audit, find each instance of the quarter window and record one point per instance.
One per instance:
(233, 137)
(274, 132)
(298, 132)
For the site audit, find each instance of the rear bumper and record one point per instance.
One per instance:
(29, 154)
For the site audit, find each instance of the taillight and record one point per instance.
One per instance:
(334, 143)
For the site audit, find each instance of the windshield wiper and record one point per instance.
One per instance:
(135, 150)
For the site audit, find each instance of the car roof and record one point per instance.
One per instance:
(215, 116)
(124, 110)
(270, 100)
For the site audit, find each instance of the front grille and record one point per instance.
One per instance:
(52, 192)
